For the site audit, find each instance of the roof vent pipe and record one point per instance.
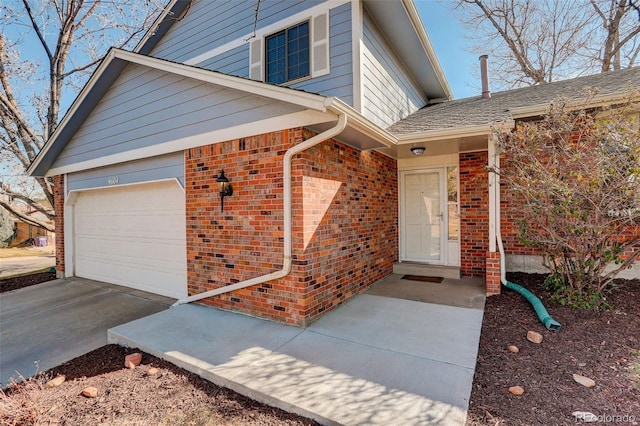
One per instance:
(484, 75)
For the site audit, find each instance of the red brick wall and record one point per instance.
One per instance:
(58, 206)
(349, 207)
(492, 281)
(474, 213)
(510, 213)
(344, 224)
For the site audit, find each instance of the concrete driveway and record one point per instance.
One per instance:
(45, 325)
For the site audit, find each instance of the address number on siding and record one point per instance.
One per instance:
(113, 180)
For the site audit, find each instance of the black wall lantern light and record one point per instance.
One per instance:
(224, 187)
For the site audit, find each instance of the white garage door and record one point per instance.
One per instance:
(133, 236)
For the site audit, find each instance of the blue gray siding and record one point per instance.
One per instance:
(339, 82)
(147, 107)
(388, 93)
(234, 62)
(211, 24)
(150, 169)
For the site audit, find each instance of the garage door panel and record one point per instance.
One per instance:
(133, 236)
(131, 252)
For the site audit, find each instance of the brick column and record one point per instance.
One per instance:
(58, 206)
(474, 213)
(493, 273)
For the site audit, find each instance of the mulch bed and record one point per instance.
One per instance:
(9, 284)
(604, 346)
(132, 396)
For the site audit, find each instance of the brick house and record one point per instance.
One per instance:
(337, 134)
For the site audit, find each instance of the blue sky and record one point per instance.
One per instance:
(447, 38)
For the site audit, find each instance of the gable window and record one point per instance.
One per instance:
(293, 53)
(287, 54)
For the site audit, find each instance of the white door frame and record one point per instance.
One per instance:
(444, 223)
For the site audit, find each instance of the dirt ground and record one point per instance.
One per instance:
(15, 283)
(604, 346)
(140, 396)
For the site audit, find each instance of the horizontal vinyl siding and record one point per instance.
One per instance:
(210, 24)
(388, 93)
(146, 107)
(339, 82)
(234, 62)
(147, 170)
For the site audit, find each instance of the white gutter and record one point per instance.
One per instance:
(286, 263)
(455, 132)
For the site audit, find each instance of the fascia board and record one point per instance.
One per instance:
(357, 121)
(454, 132)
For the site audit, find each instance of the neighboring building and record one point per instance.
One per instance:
(315, 112)
(27, 234)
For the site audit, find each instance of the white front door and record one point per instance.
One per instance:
(423, 214)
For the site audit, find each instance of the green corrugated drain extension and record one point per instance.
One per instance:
(543, 315)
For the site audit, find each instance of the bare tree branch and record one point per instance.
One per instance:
(48, 212)
(37, 30)
(33, 90)
(26, 218)
(537, 41)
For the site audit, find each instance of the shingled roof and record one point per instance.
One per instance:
(477, 111)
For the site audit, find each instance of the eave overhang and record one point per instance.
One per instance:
(401, 24)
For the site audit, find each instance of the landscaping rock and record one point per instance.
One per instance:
(584, 381)
(516, 390)
(133, 360)
(534, 337)
(514, 349)
(53, 383)
(90, 392)
(153, 371)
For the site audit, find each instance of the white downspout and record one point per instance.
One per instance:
(494, 207)
(503, 268)
(286, 263)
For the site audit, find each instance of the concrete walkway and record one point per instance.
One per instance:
(376, 360)
(45, 325)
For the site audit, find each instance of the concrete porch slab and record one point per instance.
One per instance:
(463, 293)
(374, 360)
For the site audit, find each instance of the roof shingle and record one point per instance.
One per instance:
(477, 111)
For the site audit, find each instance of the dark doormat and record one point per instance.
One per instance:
(423, 279)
